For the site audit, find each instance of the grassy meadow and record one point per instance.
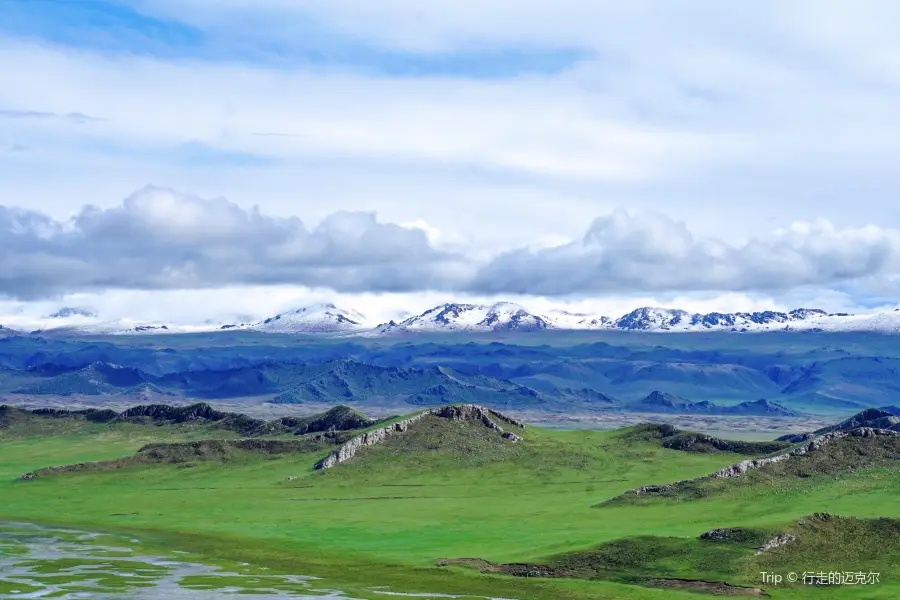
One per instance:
(448, 490)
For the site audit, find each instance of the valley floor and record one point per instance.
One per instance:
(391, 516)
(573, 417)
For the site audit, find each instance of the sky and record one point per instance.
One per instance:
(197, 159)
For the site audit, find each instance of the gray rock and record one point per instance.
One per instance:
(776, 542)
(721, 534)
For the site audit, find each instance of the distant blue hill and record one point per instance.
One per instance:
(807, 373)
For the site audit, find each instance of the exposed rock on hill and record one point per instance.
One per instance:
(457, 412)
(738, 469)
(776, 542)
(872, 418)
(828, 453)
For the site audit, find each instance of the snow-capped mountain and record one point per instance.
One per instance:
(502, 316)
(512, 317)
(561, 319)
(316, 318)
(662, 319)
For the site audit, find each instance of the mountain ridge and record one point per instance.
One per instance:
(456, 317)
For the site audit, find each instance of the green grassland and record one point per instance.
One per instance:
(448, 490)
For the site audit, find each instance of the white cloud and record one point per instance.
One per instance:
(653, 253)
(160, 239)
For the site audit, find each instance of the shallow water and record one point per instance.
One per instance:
(39, 562)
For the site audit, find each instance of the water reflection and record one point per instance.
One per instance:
(37, 562)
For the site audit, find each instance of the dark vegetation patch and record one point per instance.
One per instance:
(17, 421)
(686, 441)
(750, 538)
(204, 450)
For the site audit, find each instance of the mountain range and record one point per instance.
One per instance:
(350, 381)
(802, 373)
(327, 318)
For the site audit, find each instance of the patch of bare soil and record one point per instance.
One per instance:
(710, 587)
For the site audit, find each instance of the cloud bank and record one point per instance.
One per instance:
(160, 239)
(653, 253)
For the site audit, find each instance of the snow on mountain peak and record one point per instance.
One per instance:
(315, 318)
(500, 316)
(647, 318)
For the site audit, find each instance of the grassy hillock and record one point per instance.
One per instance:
(341, 418)
(831, 460)
(727, 561)
(687, 441)
(830, 543)
(21, 422)
(189, 453)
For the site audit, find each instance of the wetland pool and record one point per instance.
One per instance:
(41, 562)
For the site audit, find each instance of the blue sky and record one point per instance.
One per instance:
(116, 28)
(500, 130)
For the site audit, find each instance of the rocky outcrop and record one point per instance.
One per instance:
(871, 418)
(349, 449)
(776, 542)
(453, 412)
(654, 489)
(724, 534)
(505, 418)
(738, 469)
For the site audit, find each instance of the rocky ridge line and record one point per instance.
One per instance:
(740, 468)
(457, 412)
